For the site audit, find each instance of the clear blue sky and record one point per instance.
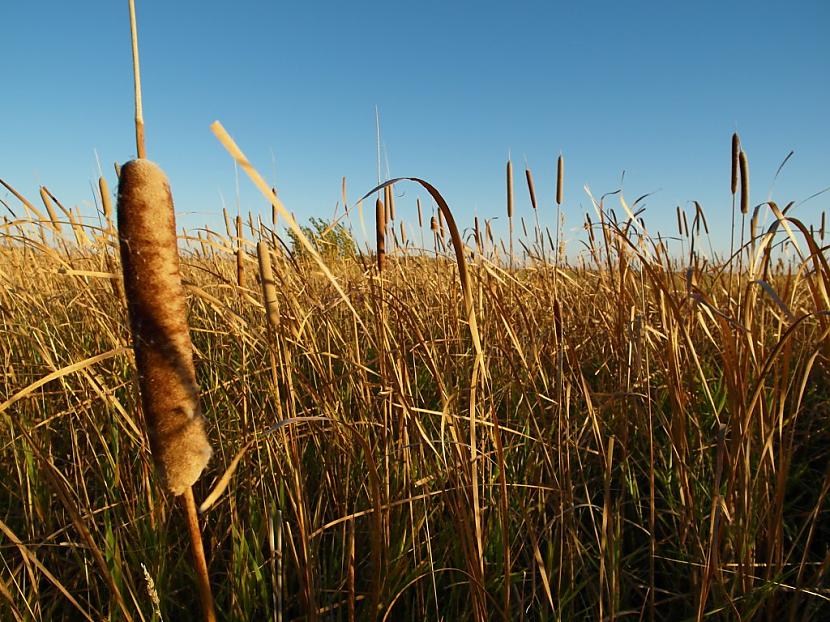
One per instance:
(652, 88)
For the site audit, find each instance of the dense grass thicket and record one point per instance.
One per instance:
(635, 434)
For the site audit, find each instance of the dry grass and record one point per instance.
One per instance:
(629, 436)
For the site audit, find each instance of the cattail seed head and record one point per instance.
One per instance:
(390, 203)
(736, 149)
(420, 214)
(106, 200)
(269, 287)
(530, 188)
(744, 167)
(509, 189)
(158, 318)
(380, 228)
(560, 177)
(50, 209)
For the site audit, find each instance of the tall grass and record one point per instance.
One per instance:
(640, 434)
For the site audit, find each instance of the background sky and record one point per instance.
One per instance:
(654, 89)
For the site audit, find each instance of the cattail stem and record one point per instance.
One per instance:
(199, 561)
(139, 114)
(510, 206)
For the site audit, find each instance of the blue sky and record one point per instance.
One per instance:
(652, 88)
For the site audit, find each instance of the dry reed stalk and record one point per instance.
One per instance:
(158, 317)
(77, 227)
(50, 209)
(380, 229)
(560, 177)
(240, 252)
(269, 287)
(744, 168)
(23, 200)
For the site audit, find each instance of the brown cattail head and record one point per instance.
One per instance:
(433, 224)
(420, 213)
(530, 188)
(560, 178)
(744, 166)
(380, 228)
(736, 150)
(158, 318)
(509, 189)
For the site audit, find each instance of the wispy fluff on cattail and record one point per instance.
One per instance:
(158, 318)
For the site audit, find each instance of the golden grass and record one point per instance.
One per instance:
(636, 434)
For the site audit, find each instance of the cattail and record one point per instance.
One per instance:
(530, 187)
(679, 223)
(106, 200)
(380, 227)
(433, 224)
(389, 200)
(736, 150)
(158, 318)
(509, 189)
(343, 195)
(420, 214)
(744, 166)
(50, 209)
(821, 230)
(269, 288)
(477, 232)
(240, 252)
(227, 223)
(560, 176)
(403, 234)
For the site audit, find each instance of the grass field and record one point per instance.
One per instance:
(635, 434)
